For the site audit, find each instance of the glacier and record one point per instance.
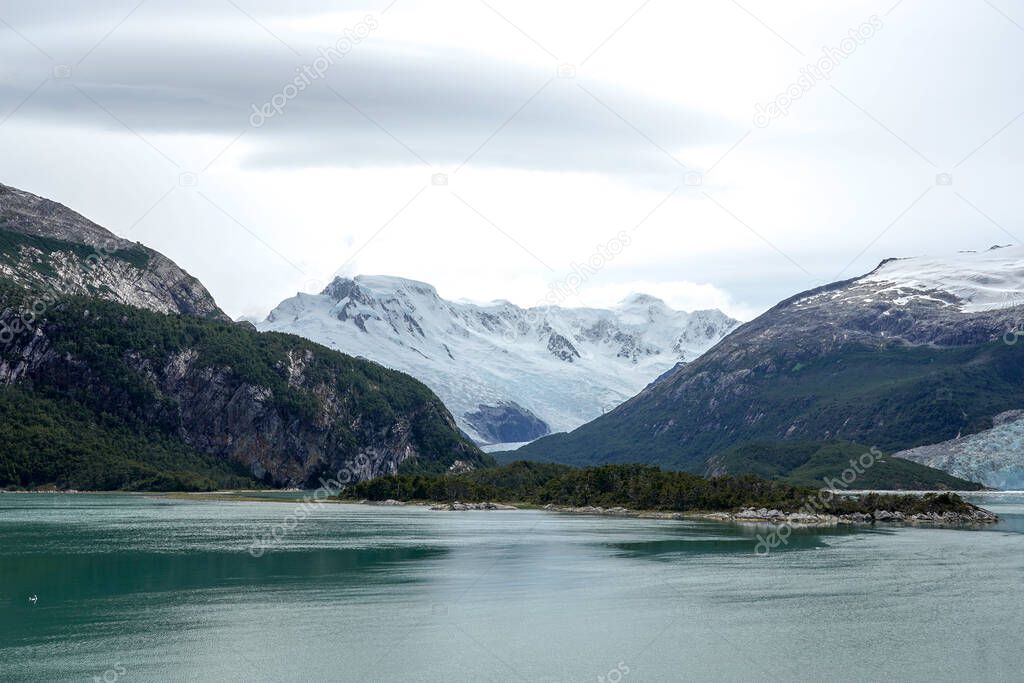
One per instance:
(508, 374)
(992, 457)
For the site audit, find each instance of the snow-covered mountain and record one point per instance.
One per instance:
(508, 374)
(915, 353)
(968, 281)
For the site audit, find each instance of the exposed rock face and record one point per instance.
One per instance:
(301, 422)
(970, 517)
(459, 507)
(29, 214)
(563, 366)
(763, 516)
(894, 359)
(507, 423)
(84, 325)
(562, 349)
(92, 260)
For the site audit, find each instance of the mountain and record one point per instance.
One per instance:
(118, 370)
(48, 246)
(508, 374)
(914, 353)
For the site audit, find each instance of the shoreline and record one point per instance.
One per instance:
(748, 516)
(763, 516)
(979, 517)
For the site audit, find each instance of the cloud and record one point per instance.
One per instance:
(378, 103)
(679, 294)
(834, 186)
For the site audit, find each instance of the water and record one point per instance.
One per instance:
(139, 588)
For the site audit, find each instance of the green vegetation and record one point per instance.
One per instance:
(63, 445)
(938, 503)
(94, 414)
(101, 334)
(814, 463)
(894, 397)
(638, 487)
(11, 244)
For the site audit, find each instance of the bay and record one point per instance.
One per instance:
(136, 587)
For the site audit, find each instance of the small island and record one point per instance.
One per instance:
(647, 491)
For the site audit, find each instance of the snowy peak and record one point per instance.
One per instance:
(637, 301)
(380, 297)
(379, 287)
(968, 281)
(504, 371)
(643, 309)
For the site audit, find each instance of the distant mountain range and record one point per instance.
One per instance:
(118, 370)
(917, 352)
(508, 374)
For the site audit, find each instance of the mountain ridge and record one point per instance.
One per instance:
(543, 368)
(48, 246)
(889, 359)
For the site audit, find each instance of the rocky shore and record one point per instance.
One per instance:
(974, 517)
(969, 518)
(762, 515)
(457, 506)
(445, 507)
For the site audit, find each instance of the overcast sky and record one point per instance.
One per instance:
(716, 154)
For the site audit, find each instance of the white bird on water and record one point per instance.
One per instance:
(34, 599)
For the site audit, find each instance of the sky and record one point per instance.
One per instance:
(718, 154)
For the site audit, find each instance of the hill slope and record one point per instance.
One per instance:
(48, 246)
(825, 464)
(895, 359)
(112, 377)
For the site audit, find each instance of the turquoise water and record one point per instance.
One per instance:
(138, 588)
